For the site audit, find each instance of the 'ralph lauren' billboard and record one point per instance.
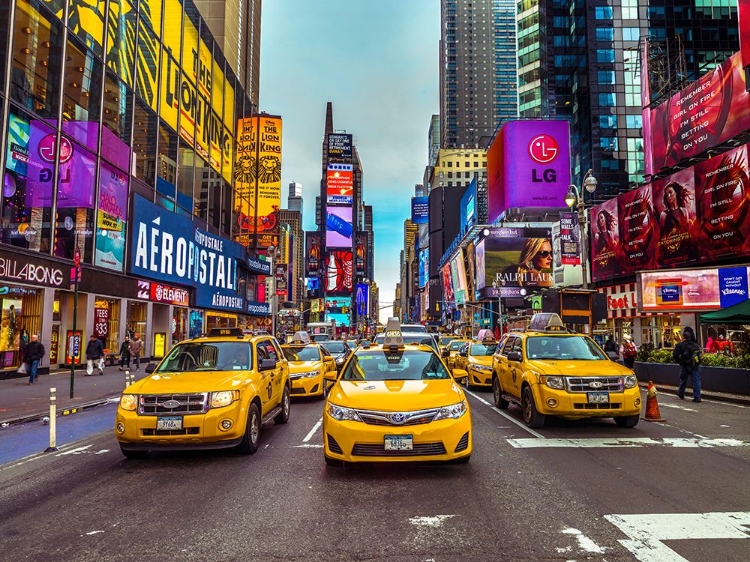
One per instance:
(169, 247)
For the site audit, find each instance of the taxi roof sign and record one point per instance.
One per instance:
(546, 322)
(392, 333)
(223, 332)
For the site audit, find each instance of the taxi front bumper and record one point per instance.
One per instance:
(307, 386)
(354, 441)
(479, 377)
(577, 405)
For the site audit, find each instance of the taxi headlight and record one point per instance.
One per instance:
(340, 413)
(481, 367)
(630, 381)
(224, 398)
(453, 412)
(554, 382)
(308, 374)
(129, 402)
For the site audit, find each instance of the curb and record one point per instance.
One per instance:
(60, 412)
(672, 390)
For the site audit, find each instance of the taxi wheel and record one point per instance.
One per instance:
(323, 391)
(250, 440)
(286, 400)
(497, 394)
(627, 421)
(531, 416)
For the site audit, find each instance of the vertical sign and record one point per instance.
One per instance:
(101, 319)
(570, 246)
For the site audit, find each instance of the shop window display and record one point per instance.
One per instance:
(20, 316)
(136, 319)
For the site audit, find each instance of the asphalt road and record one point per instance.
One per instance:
(570, 491)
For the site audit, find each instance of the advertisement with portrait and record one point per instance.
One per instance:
(674, 207)
(702, 115)
(605, 240)
(516, 258)
(447, 282)
(340, 184)
(339, 309)
(10, 327)
(339, 147)
(530, 168)
(424, 267)
(312, 251)
(723, 202)
(339, 228)
(458, 277)
(112, 217)
(257, 177)
(637, 229)
(338, 276)
(360, 256)
(470, 253)
(420, 210)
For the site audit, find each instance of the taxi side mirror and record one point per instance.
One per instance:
(515, 356)
(331, 376)
(445, 353)
(150, 368)
(459, 374)
(267, 364)
(463, 353)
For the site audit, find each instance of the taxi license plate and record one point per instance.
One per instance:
(169, 422)
(399, 442)
(598, 397)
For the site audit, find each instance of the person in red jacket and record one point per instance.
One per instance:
(722, 345)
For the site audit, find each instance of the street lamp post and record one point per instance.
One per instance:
(574, 198)
(272, 253)
(496, 285)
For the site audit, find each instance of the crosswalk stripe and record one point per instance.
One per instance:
(606, 442)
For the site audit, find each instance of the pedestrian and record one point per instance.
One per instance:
(628, 350)
(34, 354)
(136, 348)
(688, 354)
(125, 353)
(94, 355)
(611, 345)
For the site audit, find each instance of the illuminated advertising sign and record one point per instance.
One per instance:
(638, 228)
(281, 279)
(111, 218)
(604, 242)
(169, 247)
(674, 207)
(702, 115)
(258, 165)
(339, 148)
(515, 258)
(424, 267)
(158, 292)
(360, 254)
(339, 269)
(468, 206)
(447, 281)
(528, 165)
(339, 228)
(312, 246)
(570, 240)
(362, 299)
(340, 184)
(17, 151)
(743, 16)
(692, 289)
(458, 276)
(339, 309)
(420, 210)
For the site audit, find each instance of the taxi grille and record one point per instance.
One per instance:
(153, 404)
(463, 444)
(419, 450)
(601, 384)
(607, 406)
(161, 432)
(394, 418)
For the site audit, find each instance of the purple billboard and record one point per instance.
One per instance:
(528, 166)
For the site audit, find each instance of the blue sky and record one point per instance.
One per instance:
(378, 63)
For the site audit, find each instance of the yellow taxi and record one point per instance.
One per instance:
(210, 392)
(476, 360)
(444, 340)
(451, 351)
(550, 371)
(308, 364)
(396, 402)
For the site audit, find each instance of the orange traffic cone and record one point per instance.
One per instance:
(652, 406)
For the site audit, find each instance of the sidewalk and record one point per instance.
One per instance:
(20, 402)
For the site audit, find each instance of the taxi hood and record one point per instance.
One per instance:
(579, 368)
(396, 395)
(303, 366)
(188, 381)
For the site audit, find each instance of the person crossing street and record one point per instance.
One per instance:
(125, 354)
(136, 348)
(94, 355)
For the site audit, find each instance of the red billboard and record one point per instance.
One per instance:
(743, 17)
(339, 272)
(702, 115)
(638, 228)
(340, 184)
(604, 241)
(674, 206)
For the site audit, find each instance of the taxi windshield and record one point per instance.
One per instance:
(307, 353)
(408, 364)
(208, 356)
(445, 340)
(482, 349)
(411, 337)
(455, 345)
(576, 348)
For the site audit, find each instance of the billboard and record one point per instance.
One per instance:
(339, 228)
(528, 166)
(570, 240)
(420, 210)
(743, 17)
(468, 207)
(604, 241)
(360, 254)
(338, 275)
(458, 277)
(704, 114)
(339, 148)
(111, 218)
(312, 253)
(692, 289)
(447, 282)
(339, 309)
(638, 228)
(424, 267)
(257, 177)
(340, 184)
(362, 299)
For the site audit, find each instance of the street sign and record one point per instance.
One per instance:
(74, 345)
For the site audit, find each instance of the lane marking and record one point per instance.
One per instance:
(647, 531)
(506, 416)
(313, 430)
(584, 543)
(482, 400)
(76, 451)
(308, 446)
(436, 521)
(678, 407)
(605, 442)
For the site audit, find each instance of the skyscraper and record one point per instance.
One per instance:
(294, 201)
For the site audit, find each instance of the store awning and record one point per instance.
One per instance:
(737, 314)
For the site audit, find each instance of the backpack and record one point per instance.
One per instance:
(629, 350)
(694, 358)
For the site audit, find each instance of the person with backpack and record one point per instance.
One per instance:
(629, 351)
(687, 353)
(611, 345)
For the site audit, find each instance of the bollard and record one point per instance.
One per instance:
(127, 378)
(132, 378)
(52, 421)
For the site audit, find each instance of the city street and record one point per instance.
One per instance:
(571, 491)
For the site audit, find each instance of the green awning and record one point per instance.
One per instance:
(737, 314)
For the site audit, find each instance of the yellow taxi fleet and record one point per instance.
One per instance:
(211, 392)
(476, 359)
(451, 351)
(308, 365)
(396, 402)
(549, 371)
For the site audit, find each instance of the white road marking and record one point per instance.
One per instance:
(93, 532)
(76, 451)
(594, 443)
(102, 452)
(585, 543)
(678, 407)
(313, 430)
(308, 446)
(482, 400)
(436, 521)
(519, 424)
(649, 530)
